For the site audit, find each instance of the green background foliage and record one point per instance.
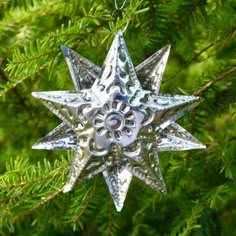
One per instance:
(200, 183)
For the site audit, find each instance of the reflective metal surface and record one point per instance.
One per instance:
(115, 125)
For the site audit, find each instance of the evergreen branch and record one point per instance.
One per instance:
(138, 217)
(27, 15)
(136, 229)
(188, 14)
(151, 3)
(20, 194)
(94, 30)
(76, 218)
(108, 231)
(6, 200)
(4, 76)
(35, 58)
(180, 25)
(22, 80)
(188, 62)
(186, 225)
(31, 182)
(223, 44)
(217, 79)
(50, 197)
(6, 211)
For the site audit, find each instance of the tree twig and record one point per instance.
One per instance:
(39, 204)
(22, 80)
(76, 218)
(30, 182)
(180, 25)
(108, 231)
(222, 46)
(4, 76)
(209, 84)
(188, 62)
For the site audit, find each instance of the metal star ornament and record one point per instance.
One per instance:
(114, 124)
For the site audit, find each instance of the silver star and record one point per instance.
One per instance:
(111, 122)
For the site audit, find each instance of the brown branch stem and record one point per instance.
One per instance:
(182, 22)
(188, 62)
(4, 76)
(108, 231)
(211, 83)
(222, 46)
(50, 197)
(86, 204)
(22, 80)
(31, 182)
(35, 58)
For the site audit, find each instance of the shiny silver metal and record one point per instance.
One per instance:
(115, 125)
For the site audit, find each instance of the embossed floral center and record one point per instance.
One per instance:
(115, 123)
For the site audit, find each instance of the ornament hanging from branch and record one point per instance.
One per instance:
(114, 125)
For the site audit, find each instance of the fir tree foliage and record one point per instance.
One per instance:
(200, 183)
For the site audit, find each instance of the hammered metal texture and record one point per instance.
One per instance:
(115, 125)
